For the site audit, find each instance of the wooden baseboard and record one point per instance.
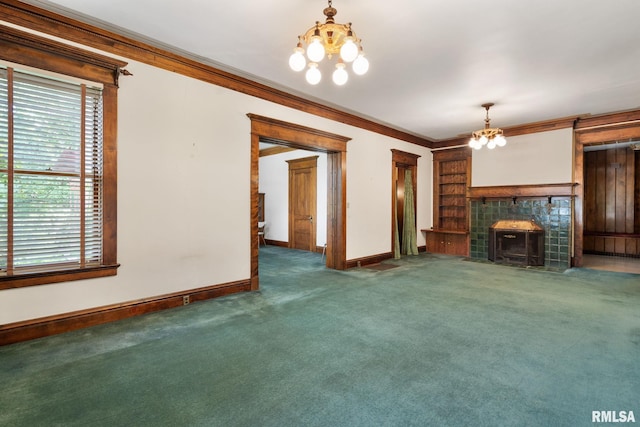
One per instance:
(282, 244)
(368, 260)
(277, 243)
(52, 325)
(374, 259)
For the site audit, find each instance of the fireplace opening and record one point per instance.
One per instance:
(517, 242)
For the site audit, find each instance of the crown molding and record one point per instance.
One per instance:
(74, 30)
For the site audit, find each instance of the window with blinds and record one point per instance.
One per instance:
(51, 173)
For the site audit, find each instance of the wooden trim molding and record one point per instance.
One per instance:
(609, 128)
(631, 117)
(509, 191)
(298, 136)
(27, 49)
(452, 153)
(277, 131)
(535, 127)
(32, 279)
(52, 325)
(404, 158)
(275, 150)
(279, 243)
(58, 25)
(543, 126)
(368, 260)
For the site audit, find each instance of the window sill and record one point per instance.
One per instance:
(20, 280)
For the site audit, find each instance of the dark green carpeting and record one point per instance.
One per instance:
(434, 341)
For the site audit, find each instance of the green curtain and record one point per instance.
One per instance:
(409, 233)
(396, 237)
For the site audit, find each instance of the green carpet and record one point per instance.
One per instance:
(435, 341)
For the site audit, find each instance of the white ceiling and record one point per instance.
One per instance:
(433, 63)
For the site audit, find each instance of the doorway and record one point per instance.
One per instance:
(611, 222)
(594, 231)
(291, 135)
(302, 203)
(404, 175)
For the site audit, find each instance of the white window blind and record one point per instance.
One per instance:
(50, 173)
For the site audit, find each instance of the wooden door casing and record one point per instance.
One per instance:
(400, 162)
(297, 136)
(302, 203)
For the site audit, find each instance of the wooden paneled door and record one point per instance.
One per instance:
(302, 203)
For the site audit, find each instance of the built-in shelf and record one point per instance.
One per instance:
(510, 191)
(451, 177)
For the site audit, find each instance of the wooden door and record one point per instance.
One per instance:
(302, 203)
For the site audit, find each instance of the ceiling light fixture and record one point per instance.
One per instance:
(329, 39)
(491, 137)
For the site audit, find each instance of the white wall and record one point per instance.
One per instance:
(369, 197)
(184, 193)
(274, 182)
(540, 158)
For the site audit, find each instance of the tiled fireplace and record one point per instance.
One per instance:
(554, 218)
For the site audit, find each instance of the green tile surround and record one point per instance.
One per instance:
(555, 219)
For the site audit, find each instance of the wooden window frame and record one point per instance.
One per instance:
(26, 49)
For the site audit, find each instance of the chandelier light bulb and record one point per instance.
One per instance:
(313, 75)
(360, 65)
(315, 51)
(349, 50)
(296, 60)
(491, 137)
(340, 75)
(332, 40)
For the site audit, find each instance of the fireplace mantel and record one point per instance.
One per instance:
(510, 191)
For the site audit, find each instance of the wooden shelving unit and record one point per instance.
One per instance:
(451, 179)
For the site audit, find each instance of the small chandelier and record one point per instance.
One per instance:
(330, 39)
(491, 137)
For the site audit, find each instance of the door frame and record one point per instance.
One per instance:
(404, 160)
(275, 131)
(594, 131)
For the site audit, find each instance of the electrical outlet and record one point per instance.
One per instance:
(186, 300)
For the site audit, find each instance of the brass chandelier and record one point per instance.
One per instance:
(329, 39)
(491, 137)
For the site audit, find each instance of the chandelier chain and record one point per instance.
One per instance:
(326, 40)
